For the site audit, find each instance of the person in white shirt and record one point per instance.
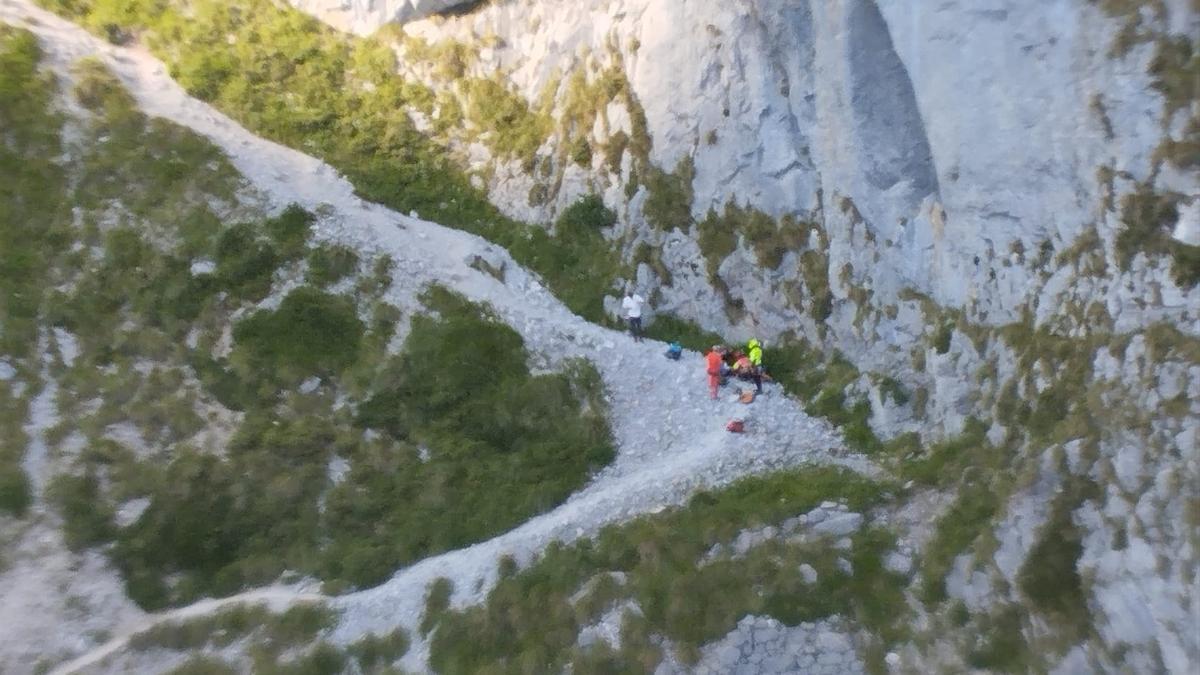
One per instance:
(632, 304)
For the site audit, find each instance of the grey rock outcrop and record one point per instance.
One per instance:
(365, 16)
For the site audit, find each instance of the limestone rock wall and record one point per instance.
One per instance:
(365, 16)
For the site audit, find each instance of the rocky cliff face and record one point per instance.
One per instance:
(993, 204)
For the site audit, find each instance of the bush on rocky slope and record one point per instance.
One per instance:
(213, 429)
(533, 617)
(34, 222)
(287, 77)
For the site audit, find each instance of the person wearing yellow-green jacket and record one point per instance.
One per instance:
(754, 352)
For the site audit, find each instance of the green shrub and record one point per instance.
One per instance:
(376, 651)
(87, 519)
(437, 601)
(1050, 575)
(328, 264)
(35, 226)
(941, 338)
(245, 263)
(290, 231)
(669, 196)
(1147, 216)
(15, 492)
(587, 213)
(576, 261)
(311, 333)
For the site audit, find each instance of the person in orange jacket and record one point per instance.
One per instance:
(712, 366)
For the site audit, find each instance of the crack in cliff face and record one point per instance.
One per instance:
(791, 25)
(883, 108)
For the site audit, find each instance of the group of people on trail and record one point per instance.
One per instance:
(720, 363)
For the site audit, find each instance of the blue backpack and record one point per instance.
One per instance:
(674, 351)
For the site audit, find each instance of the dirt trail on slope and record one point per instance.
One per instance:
(670, 438)
(276, 598)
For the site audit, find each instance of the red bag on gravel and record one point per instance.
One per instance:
(735, 426)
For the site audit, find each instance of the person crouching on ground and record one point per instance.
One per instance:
(632, 304)
(712, 365)
(742, 368)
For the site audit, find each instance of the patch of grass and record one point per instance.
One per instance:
(652, 256)
(814, 267)
(587, 213)
(203, 665)
(1185, 152)
(821, 381)
(1176, 71)
(15, 492)
(246, 263)
(944, 462)
(967, 518)
(669, 199)
(770, 240)
(1146, 215)
(322, 659)
(514, 130)
(717, 239)
(437, 601)
(940, 341)
(35, 227)
(528, 618)
(296, 626)
(890, 387)
(670, 328)
(147, 164)
(1050, 576)
(1001, 646)
(1133, 31)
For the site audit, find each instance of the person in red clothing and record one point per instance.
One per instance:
(712, 366)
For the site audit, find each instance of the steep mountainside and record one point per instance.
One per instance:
(968, 232)
(994, 212)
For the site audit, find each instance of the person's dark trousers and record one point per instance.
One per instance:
(635, 327)
(758, 380)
